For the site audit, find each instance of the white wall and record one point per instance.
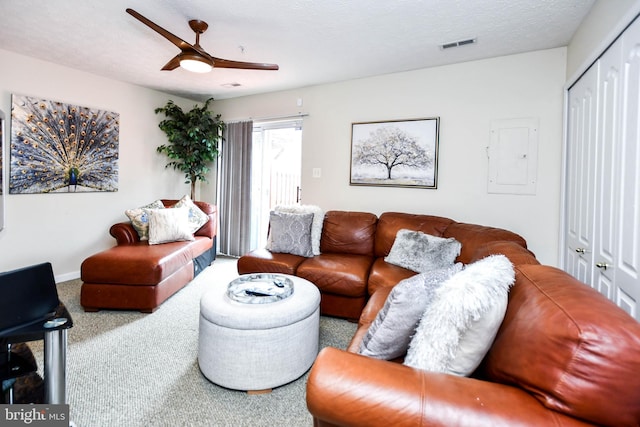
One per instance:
(604, 22)
(66, 228)
(466, 97)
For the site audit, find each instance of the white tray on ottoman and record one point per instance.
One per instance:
(257, 346)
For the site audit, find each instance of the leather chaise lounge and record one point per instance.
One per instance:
(134, 275)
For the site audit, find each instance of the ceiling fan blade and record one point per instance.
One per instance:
(181, 44)
(173, 64)
(226, 63)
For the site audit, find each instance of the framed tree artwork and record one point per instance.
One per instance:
(399, 153)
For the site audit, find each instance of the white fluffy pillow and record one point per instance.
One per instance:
(458, 328)
(316, 224)
(169, 225)
(422, 252)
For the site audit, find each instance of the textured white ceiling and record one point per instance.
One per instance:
(313, 41)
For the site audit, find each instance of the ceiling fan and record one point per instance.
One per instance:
(192, 57)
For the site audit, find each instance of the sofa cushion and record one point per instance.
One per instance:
(422, 252)
(473, 236)
(341, 274)
(458, 327)
(390, 223)
(140, 220)
(383, 275)
(516, 253)
(570, 347)
(265, 261)
(348, 233)
(291, 233)
(389, 335)
(169, 225)
(196, 217)
(138, 264)
(210, 228)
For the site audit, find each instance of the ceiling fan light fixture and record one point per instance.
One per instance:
(195, 63)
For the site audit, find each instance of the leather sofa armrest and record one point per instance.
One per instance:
(369, 313)
(124, 233)
(346, 389)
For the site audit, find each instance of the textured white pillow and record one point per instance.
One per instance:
(197, 218)
(316, 225)
(389, 335)
(422, 252)
(291, 233)
(140, 220)
(169, 225)
(458, 328)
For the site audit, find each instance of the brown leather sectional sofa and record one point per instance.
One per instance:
(351, 266)
(134, 275)
(563, 356)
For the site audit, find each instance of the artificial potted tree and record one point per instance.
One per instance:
(193, 137)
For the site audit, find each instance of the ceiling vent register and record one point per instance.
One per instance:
(458, 43)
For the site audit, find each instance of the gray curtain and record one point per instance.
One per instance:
(235, 189)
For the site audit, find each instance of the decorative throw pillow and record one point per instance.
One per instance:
(459, 326)
(316, 225)
(169, 225)
(422, 252)
(197, 218)
(140, 220)
(389, 335)
(291, 233)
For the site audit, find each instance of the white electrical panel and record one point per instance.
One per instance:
(513, 156)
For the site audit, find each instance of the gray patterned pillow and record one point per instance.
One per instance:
(169, 225)
(291, 233)
(197, 218)
(316, 225)
(140, 220)
(390, 333)
(422, 252)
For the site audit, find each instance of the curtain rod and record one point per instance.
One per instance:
(272, 118)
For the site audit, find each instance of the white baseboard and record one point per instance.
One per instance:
(68, 276)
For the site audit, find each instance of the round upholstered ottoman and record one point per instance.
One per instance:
(255, 346)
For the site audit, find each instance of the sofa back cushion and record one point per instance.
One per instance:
(348, 232)
(516, 253)
(390, 223)
(570, 347)
(473, 236)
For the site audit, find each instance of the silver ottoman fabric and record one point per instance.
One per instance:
(258, 346)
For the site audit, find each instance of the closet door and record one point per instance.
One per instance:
(627, 278)
(607, 202)
(580, 176)
(602, 188)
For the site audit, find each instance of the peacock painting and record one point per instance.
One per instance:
(58, 147)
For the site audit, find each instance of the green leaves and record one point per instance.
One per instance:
(193, 139)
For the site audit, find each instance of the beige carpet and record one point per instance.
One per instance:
(132, 369)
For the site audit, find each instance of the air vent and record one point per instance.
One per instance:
(458, 43)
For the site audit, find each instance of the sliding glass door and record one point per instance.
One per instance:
(275, 172)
